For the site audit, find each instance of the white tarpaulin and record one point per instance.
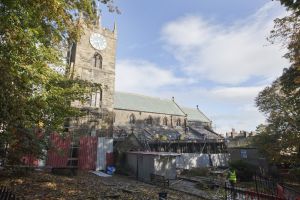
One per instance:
(100, 174)
(193, 160)
(105, 145)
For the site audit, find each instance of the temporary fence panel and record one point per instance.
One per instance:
(105, 145)
(109, 159)
(57, 156)
(87, 153)
(30, 160)
(219, 160)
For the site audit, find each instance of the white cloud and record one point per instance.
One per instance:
(143, 77)
(236, 94)
(245, 117)
(195, 32)
(226, 54)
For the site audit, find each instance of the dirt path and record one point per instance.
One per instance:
(41, 185)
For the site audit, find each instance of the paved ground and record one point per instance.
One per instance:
(193, 187)
(41, 185)
(187, 186)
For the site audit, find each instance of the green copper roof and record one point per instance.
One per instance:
(194, 114)
(136, 102)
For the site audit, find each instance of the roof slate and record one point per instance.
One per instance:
(194, 114)
(137, 102)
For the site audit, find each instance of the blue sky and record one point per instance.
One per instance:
(211, 53)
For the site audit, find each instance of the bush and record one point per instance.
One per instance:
(295, 174)
(18, 171)
(244, 170)
(200, 171)
(273, 171)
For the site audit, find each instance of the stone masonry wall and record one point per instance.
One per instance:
(122, 117)
(84, 63)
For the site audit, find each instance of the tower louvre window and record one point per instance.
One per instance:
(98, 61)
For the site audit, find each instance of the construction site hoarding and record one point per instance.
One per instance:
(30, 161)
(58, 153)
(91, 153)
(87, 153)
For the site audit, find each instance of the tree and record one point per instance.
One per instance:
(280, 138)
(292, 5)
(34, 96)
(267, 143)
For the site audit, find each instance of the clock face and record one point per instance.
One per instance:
(98, 41)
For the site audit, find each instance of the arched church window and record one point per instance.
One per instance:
(98, 60)
(96, 98)
(178, 122)
(165, 121)
(149, 120)
(132, 119)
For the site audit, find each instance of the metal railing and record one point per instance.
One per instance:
(265, 188)
(236, 193)
(6, 194)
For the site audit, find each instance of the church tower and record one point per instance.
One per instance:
(93, 59)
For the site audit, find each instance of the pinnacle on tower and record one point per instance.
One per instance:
(97, 12)
(98, 20)
(115, 30)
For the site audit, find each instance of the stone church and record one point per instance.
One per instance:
(157, 124)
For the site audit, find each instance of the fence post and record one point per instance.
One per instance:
(225, 191)
(257, 192)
